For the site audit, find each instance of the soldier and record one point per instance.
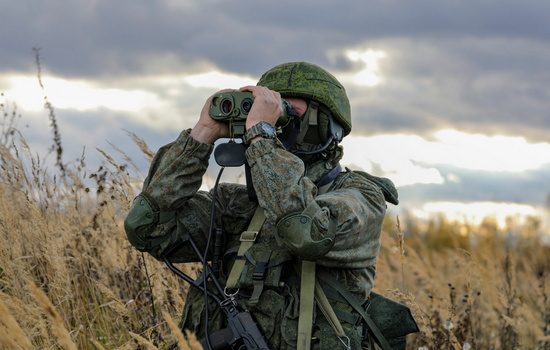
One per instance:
(310, 233)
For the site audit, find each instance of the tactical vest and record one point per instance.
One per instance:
(270, 284)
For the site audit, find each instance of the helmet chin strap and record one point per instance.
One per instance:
(335, 132)
(335, 135)
(297, 127)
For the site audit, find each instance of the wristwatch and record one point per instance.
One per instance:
(263, 129)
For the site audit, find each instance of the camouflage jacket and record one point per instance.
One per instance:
(283, 185)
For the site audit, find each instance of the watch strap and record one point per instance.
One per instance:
(259, 130)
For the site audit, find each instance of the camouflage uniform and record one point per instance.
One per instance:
(357, 204)
(349, 215)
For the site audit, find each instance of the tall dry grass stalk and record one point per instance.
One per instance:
(12, 335)
(58, 328)
(187, 342)
(9, 118)
(56, 148)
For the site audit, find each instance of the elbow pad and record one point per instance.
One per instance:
(302, 237)
(142, 220)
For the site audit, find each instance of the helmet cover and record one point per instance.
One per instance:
(310, 82)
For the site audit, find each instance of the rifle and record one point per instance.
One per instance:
(242, 332)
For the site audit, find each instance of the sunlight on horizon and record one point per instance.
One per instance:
(406, 159)
(84, 95)
(76, 94)
(218, 80)
(475, 212)
(490, 153)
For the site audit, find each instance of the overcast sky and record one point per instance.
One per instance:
(450, 99)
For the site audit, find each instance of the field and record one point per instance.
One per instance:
(70, 280)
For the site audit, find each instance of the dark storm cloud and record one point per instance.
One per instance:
(110, 36)
(379, 119)
(477, 85)
(465, 65)
(100, 37)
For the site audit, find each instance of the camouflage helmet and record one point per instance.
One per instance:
(310, 82)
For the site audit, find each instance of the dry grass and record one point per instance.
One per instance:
(68, 277)
(470, 287)
(70, 280)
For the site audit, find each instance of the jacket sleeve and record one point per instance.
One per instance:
(357, 204)
(171, 191)
(176, 171)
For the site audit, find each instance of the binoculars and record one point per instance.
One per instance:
(233, 107)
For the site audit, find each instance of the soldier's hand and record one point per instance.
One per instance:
(208, 130)
(267, 106)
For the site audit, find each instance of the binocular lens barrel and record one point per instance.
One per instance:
(226, 106)
(246, 105)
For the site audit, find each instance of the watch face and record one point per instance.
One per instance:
(268, 128)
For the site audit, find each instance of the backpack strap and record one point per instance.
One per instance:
(305, 321)
(309, 287)
(248, 238)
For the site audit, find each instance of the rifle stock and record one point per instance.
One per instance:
(242, 332)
